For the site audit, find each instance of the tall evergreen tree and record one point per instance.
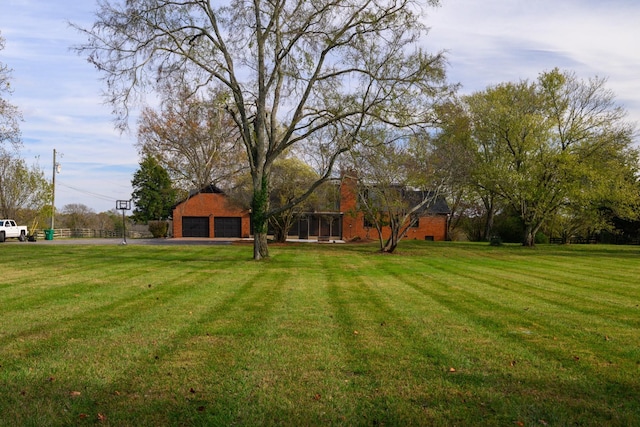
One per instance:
(153, 194)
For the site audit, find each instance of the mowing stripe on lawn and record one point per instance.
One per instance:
(320, 335)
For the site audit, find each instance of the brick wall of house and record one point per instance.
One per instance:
(209, 205)
(429, 227)
(217, 204)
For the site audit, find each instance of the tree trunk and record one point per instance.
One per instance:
(390, 245)
(259, 209)
(530, 232)
(260, 246)
(488, 224)
(279, 235)
(528, 239)
(392, 242)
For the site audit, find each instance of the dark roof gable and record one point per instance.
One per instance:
(208, 189)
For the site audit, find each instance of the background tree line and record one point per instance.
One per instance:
(554, 153)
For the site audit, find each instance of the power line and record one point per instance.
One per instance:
(89, 193)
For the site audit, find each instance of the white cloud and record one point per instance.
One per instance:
(495, 41)
(59, 94)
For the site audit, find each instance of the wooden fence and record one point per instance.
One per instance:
(87, 233)
(615, 240)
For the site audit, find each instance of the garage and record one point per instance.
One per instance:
(210, 213)
(195, 226)
(227, 227)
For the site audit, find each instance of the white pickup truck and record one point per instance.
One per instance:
(9, 228)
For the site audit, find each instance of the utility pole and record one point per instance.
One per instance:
(56, 169)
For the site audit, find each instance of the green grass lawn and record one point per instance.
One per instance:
(437, 334)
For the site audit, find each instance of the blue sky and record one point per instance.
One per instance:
(488, 42)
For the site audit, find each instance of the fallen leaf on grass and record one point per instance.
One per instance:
(317, 396)
(102, 417)
(452, 369)
(355, 332)
(75, 393)
(82, 416)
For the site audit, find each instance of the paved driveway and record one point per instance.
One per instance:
(69, 241)
(192, 241)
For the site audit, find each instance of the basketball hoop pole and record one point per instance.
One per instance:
(123, 205)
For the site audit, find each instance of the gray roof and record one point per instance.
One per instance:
(437, 206)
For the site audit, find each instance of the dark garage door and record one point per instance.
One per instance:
(195, 226)
(227, 227)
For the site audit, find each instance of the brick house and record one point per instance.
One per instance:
(210, 213)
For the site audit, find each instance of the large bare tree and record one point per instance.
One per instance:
(193, 138)
(292, 69)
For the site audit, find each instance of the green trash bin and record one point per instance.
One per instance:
(48, 234)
